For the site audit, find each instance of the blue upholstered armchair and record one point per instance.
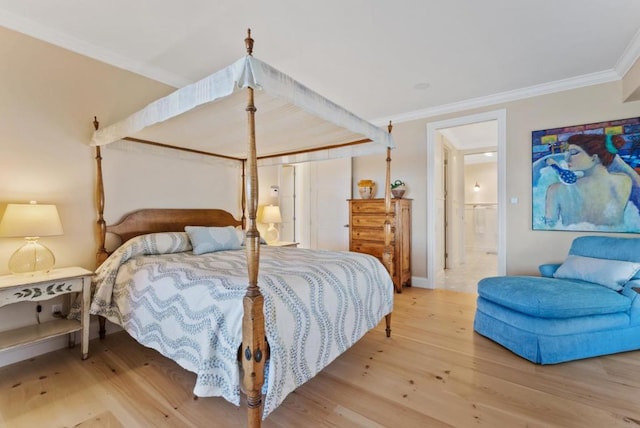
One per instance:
(585, 307)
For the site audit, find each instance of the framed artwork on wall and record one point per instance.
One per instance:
(587, 177)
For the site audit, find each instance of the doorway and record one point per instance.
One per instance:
(475, 250)
(446, 210)
(322, 211)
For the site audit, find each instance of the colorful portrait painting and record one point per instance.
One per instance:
(587, 177)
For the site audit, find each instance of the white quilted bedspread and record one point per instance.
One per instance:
(189, 308)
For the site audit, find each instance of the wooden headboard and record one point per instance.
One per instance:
(166, 220)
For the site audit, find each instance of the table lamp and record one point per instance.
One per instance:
(31, 221)
(271, 215)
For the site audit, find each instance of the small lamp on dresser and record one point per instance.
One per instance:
(31, 221)
(271, 215)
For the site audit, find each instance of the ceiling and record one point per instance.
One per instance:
(381, 59)
(478, 141)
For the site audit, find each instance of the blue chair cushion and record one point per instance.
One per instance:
(552, 297)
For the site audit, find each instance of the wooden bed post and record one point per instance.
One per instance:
(102, 225)
(254, 346)
(244, 197)
(387, 254)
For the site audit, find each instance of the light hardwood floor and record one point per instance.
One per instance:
(433, 372)
(478, 264)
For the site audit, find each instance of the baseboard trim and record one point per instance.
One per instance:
(419, 282)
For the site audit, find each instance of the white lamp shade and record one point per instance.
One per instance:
(271, 214)
(22, 220)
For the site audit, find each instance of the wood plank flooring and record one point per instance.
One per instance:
(433, 372)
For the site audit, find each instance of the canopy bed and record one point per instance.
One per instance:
(337, 296)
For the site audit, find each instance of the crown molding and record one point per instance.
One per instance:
(58, 38)
(629, 56)
(55, 37)
(504, 97)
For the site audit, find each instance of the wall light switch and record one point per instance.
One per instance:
(274, 191)
(514, 200)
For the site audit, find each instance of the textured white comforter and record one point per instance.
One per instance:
(189, 308)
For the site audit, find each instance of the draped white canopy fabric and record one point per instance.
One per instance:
(291, 119)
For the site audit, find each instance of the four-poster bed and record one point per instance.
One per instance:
(350, 282)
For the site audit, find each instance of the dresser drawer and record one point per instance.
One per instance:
(373, 207)
(372, 220)
(373, 248)
(364, 234)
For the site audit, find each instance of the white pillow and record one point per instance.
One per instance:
(209, 239)
(613, 274)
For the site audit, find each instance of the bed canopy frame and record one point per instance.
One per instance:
(248, 74)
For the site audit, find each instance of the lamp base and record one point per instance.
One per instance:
(271, 235)
(31, 257)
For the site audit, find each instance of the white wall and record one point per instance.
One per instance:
(486, 175)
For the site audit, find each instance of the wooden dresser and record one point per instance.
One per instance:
(366, 233)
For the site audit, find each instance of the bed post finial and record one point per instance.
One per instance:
(390, 127)
(248, 42)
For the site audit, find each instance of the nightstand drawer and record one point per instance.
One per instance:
(40, 291)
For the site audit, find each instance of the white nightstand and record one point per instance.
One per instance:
(284, 244)
(44, 286)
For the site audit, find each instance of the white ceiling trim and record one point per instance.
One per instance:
(503, 97)
(49, 35)
(629, 56)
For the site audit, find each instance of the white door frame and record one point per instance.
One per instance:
(501, 117)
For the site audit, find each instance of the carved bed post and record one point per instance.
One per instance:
(254, 347)
(102, 225)
(244, 196)
(387, 254)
